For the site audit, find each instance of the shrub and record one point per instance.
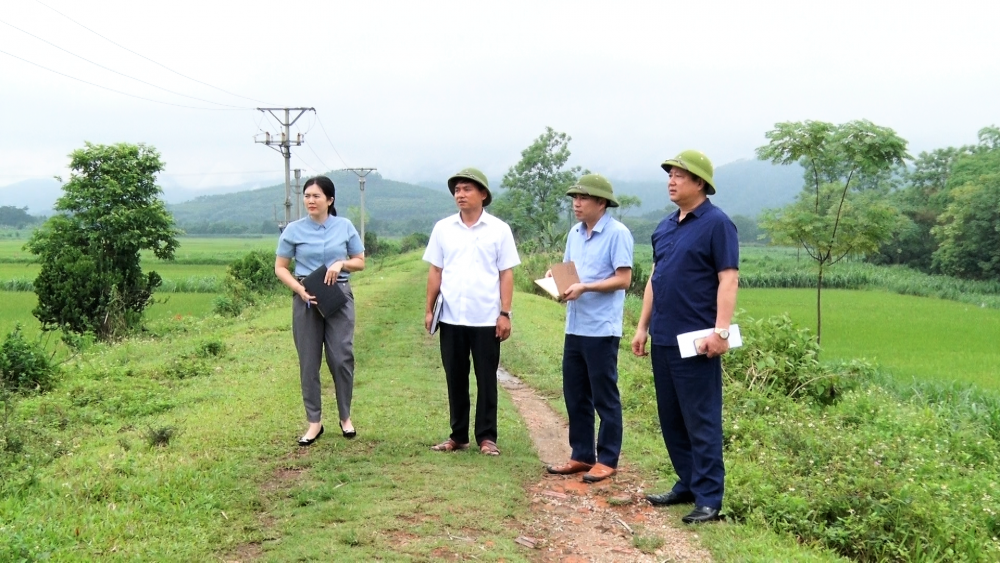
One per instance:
(23, 364)
(255, 270)
(235, 299)
(414, 241)
(779, 358)
(534, 266)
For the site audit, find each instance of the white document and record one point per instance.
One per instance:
(436, 313)
(688, 348)
(549, 285)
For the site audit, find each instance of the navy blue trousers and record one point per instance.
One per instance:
(457, 344)
(590, 383)
(689, 402)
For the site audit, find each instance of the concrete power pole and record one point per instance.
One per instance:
(285, 148)
(362, 172)
(298, 199)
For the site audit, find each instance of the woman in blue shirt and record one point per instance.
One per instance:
(322, 239)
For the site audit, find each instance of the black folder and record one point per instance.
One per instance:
(329, 298)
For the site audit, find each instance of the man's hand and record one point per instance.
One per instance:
(639, 343)
(713, 345)
(428, 316)
(503, 328)
(574, 292)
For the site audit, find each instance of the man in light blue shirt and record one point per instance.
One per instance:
(601, 249)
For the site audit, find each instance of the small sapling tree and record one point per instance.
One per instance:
(833, 217)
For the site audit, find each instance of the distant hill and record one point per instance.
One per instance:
(745, 187)
(38, 195)
(393, 208)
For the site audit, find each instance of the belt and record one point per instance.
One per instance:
(300, 278)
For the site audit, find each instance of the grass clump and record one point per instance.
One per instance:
(160, 436)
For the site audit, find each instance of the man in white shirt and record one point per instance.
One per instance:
(472, 256)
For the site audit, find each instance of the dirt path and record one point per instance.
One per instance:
(573, 521)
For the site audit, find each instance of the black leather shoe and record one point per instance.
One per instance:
(303, 441)
(702, 514)
(347, 433)
(670, 498)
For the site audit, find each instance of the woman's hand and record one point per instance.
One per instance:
(333, 271)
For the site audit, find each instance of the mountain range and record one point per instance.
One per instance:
(745, 187)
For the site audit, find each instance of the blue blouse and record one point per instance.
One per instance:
(313, 244)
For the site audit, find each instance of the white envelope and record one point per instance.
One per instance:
(685, 342)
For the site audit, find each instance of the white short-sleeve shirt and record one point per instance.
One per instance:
(471, 259)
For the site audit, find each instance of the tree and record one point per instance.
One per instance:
(110, 210)
(829, 220)
(535, 199)
(16, 217)
(626, 202)
(968, 231)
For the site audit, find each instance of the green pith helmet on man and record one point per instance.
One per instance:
(696, 163)
(476, 176)
(594, 185)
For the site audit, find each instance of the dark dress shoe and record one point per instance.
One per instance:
(303, 441)
(702, 514)
(670, 498)
(348, 433)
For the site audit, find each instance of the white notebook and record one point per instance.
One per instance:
(686, 341)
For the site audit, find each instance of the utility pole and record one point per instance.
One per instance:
(362, 172)
(285, 148)
(298, 198)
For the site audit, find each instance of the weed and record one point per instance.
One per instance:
(160, 436)
(211, 348)
(647, 544)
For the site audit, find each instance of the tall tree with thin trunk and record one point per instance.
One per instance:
(837, 214)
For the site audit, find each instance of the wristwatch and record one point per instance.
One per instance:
(505, 314)
(723, 333)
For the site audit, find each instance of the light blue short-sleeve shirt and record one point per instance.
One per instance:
(313, 244)
(597, 257)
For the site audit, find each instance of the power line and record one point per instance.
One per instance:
(149, 59)
(112, 89)
(323, 127)
(117, 72)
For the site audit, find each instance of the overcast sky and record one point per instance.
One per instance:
(421, 89)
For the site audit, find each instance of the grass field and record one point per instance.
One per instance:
(911, 337)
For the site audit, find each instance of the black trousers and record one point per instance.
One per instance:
(457, 344)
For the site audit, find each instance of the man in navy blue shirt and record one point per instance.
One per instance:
(692, 287)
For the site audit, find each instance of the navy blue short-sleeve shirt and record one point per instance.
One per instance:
(687, 259)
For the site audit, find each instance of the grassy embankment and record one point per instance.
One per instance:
(236, 427)
(232, 480)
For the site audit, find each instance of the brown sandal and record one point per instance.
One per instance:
(450, 445)
(488, 447)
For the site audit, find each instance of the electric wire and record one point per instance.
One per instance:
(151, 60)
(323, 127)
(114, 90)
(117, 72)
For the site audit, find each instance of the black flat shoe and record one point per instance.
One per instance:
(303, 441)
(670, 498)
(702, 514)
(349, 434)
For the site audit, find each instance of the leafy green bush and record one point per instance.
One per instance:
(779, 358)
(534, 266)
(23, 364)
(414, 241)
(235, 298)
(873, 477)
(255, 270)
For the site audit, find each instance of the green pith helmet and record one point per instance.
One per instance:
(696, 163)
(476, 176)
(594, 185)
